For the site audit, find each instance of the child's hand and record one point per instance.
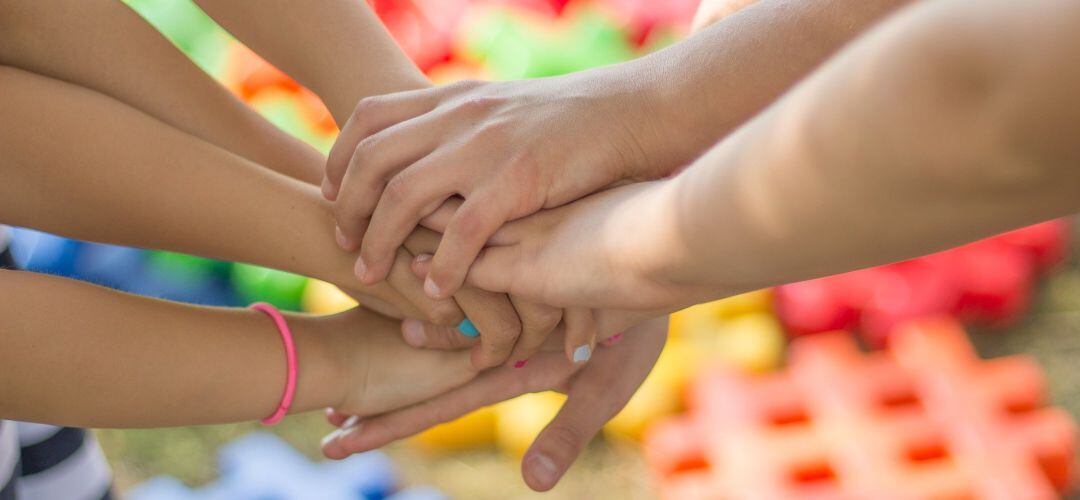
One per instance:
(595, 393)
(605, 251)
(380, 371)
(508, 148)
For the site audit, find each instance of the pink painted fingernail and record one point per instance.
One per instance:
(520, 363)
(610, 341)
(424, 257)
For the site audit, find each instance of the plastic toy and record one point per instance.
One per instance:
(751, 342)
(521, 419)
(988, 282)
(282, 289)
(515, 43)
(423, 28)
(924, 419)
(321, 297)
(470, 432)
(260, 466)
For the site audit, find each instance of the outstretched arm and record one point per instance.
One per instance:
(83, 165)
(70, 359)
(513, 148)
(953, 121)
(336, 48)
(105, 46)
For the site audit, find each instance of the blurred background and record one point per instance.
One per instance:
(1015, 293)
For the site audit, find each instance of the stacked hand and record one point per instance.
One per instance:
(477, 162)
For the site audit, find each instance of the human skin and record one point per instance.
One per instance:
(950, 122)
(749, 44)
(67, 360)
(510, 149)
(134, 64)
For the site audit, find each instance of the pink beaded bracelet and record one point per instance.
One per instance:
(290, 361)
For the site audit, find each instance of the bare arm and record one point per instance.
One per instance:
(78, 354)
(105, 46)
(953, 121)
(336, 48)
(69, 359)
(83, 165)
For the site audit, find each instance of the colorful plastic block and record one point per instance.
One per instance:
(521, 419)
(924, 419)
(473, 431)
(989, 282)
(321, 297)
(255, 284)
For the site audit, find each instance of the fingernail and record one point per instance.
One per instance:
(424, 257)
(414, 332)
(612, 340)
(361, 268)
(467, 328)
(327, 189)
(351, 426)
(543, 469)
(521, 363)
(582, 354)
(432, 289)
(339, 235)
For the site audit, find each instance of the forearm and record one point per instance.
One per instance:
(337, 48)
(953, 121)
(83, 165)
(77, 354)
(132, 63)
(714, 81)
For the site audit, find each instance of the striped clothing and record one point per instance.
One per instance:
(44, 462)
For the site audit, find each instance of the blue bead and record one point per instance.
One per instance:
(468, 329)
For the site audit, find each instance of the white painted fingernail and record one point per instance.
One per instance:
(351, 422)
(582, 354)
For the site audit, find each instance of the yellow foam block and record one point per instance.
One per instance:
(661, 393)
(705, 318)
(521, 419)
(752, 342)
(473, 431)
(323, 298)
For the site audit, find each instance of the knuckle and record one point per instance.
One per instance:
(397, 189)
(565, 438)
(366, 106)
(541, 322)
(470, 222)
(444, 314)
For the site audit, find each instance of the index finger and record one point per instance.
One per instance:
(371, 115)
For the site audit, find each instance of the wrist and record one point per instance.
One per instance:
(321, 370)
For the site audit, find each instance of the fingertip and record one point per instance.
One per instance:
(540, 472)
(433, 290)
(421, 265)
(413, 332)
(329, 190)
